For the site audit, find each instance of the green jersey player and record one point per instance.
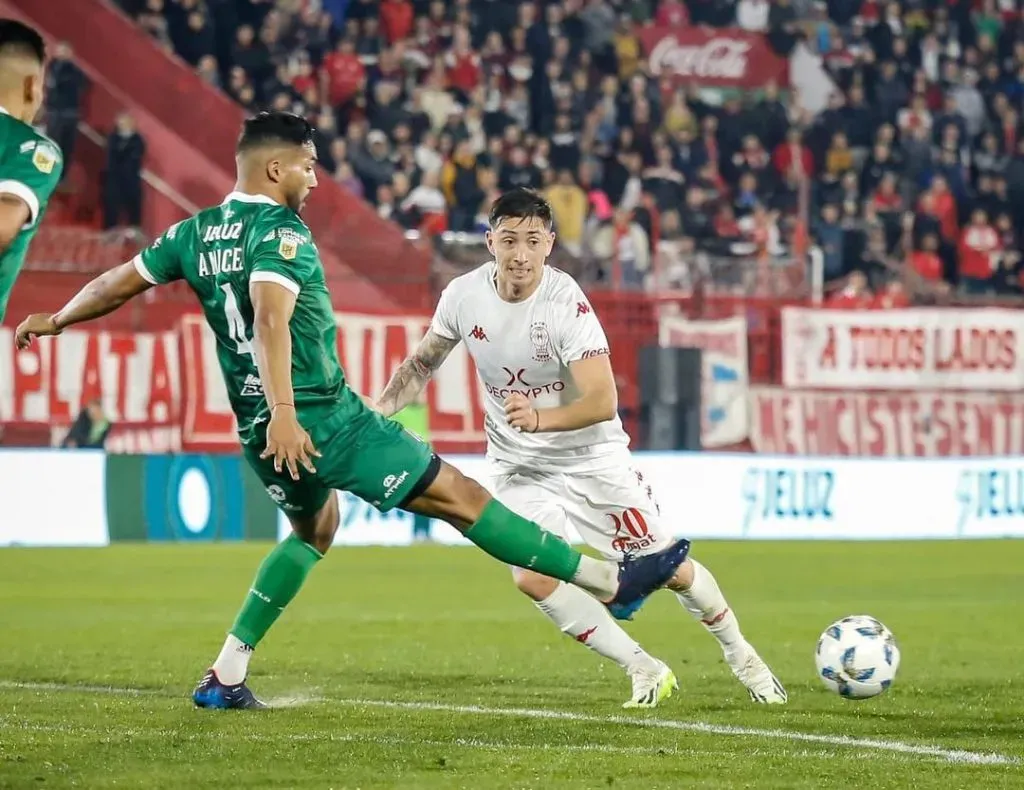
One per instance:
(255, 269)
(30, 162)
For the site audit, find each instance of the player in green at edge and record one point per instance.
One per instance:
(253, 265)
(30, 162)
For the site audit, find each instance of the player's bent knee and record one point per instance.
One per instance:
(452, 496)
(533, 585)
(319, 529)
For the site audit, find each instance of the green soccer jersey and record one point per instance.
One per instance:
(30, 167)
(218, 252)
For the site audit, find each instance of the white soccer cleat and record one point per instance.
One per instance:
(651, 686)
(752, 672)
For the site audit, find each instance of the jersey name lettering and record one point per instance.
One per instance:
(225, 232)
(217, 262)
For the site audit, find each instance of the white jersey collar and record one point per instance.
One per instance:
(243, 197)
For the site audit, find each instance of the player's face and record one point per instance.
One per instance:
(298, 176)
(520, 247)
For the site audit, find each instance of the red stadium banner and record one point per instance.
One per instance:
(912, 349)
(371, 347)
(164, 392)
(909, 424)
(134, 374)
(724, 58)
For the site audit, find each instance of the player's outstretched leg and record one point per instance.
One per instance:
(277, 582)
(700, 595)
(467, 506)
(589, 623)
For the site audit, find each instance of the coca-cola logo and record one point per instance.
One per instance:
(718, 58)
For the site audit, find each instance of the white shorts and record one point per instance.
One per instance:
(614, 511)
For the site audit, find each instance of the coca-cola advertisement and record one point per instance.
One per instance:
(726, 58)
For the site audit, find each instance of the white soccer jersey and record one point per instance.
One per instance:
(526, 347)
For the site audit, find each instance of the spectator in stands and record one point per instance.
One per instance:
(830, 236)
(925, 260)
(90, 429)
(122, 183)
(623, 247)
(854, 294)
(64, 85)
(428, 201)
(208, 71)
(196, 40)
(372, 161)
(926, 115)
(460, 182)
(979, 252)
(569, 205)
(1006, 281)
(153, 21)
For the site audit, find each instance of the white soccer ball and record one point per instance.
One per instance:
(857, 657)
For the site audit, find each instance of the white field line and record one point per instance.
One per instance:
(868, 744)
(109, 732)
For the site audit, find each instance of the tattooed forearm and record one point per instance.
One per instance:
(413, 374)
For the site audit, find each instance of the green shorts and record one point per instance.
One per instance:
(373, 457)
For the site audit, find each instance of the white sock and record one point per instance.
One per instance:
(707, 604)
(588, 622)
(232, 664)
(600, 578)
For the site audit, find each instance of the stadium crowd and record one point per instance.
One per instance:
(914, 172)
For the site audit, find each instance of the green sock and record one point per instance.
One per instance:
(516, 541)
(278, 580)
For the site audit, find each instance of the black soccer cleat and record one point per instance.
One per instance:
(640, 576)
(211, 693)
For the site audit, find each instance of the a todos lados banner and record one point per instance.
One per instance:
(191, 498)
(912, 349)
(876, 424)
(713, 57)
(725, 376)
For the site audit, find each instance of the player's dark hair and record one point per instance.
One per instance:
(17, 36)
(274, 128)
(521, 203)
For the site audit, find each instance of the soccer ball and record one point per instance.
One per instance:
(857, 657)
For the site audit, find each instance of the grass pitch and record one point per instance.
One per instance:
(423, 668)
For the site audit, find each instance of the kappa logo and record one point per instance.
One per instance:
(478, 333)
(582, 308)
(513, 377)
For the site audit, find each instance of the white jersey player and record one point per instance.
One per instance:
(555, 444)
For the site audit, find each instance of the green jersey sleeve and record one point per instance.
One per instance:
(285, 255)
(160, 262)
(30, 170)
